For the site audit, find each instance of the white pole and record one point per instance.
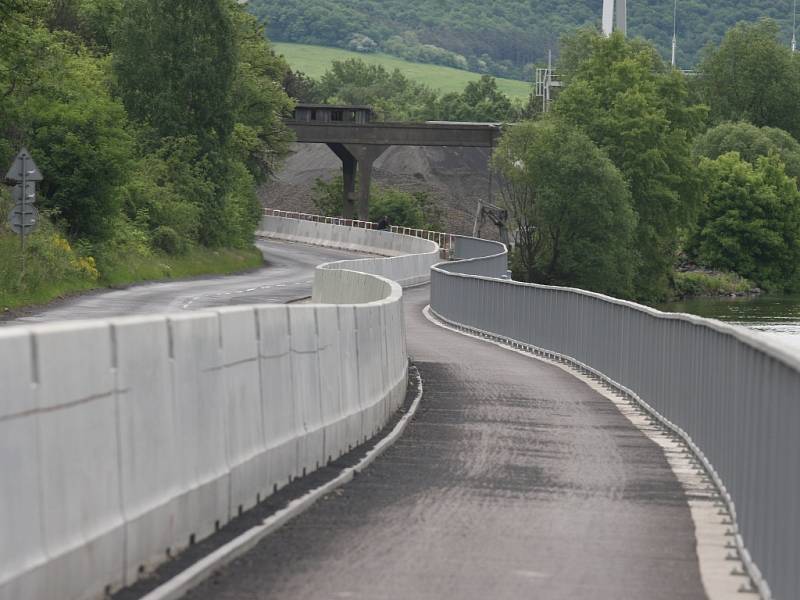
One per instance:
(675, 31)
(608, 17)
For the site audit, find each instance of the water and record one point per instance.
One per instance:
(777, 317)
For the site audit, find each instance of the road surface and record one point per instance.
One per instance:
(515, 480)
(287, 275)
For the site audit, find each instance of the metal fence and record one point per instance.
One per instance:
(445, 240)
(730, 393)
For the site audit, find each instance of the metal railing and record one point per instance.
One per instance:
(445, 240)
(732, 395)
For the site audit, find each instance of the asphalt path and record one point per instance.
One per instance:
(287, 275)
(515, 480)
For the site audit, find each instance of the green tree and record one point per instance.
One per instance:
(175, 61)
(79, 137)
(259, 138)
(750, 222)
(752, 76)
(750, 142)
(636, 108)
(569, 205)
(481, 101)
(390, 93)
(403, 208)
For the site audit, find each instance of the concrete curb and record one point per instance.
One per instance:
(179, 585)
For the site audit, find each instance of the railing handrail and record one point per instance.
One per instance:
(701, 378)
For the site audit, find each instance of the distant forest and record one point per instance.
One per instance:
(505, 38)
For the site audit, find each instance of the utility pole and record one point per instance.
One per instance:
(794, 27)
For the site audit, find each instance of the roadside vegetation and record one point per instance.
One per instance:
(150, 164)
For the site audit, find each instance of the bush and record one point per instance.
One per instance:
(750, 221)
(167, 240)
(696, 283)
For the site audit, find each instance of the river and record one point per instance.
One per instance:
(777, 317)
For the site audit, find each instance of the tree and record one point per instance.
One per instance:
(569, 205)
(622, 95)
(391, 93)
(258, 100)
(750, 142)
(403, 208)
(752, 76)
(481, 101)
(750, 222)
(175, 61)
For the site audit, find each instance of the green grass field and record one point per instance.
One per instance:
(315, 60)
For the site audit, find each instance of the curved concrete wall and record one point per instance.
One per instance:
(409, 258)
(124, 440)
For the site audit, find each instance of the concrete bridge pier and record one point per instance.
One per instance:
(360, 157)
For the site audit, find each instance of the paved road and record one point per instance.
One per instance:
(515, 480)
(287, 275)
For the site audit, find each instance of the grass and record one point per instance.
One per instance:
(315, 60)
(54, 270)
(197, 261)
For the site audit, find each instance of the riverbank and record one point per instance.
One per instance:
(711, 284)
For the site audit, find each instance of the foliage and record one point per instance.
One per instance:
(175, 61)
(753, 76)
(405, 209)
(258, 100)
(300, 86)
(78, 136)
(152, 122)
(502, 37)
(750, 221)
(692, 284)
(637, 109)
(750, 142)
(481, 101)
(391, 93)
(395, 97)
(569, 205)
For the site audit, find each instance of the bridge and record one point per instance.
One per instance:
(350, 132)
(543, 442)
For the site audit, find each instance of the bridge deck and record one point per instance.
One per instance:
(397, 134)
(515, 480)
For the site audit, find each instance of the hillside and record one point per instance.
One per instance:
(315, 60)
(502, 37)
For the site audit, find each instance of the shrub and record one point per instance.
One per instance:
(167, 240)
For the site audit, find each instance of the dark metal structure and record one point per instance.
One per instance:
(353, 135)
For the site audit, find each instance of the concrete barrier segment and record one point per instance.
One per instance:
(124, 441)
(246, 442)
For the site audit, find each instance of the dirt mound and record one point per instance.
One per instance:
(456, 178)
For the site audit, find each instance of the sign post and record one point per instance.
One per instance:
(24, 216)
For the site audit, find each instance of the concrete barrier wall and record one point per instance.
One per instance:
(408, 261)
(123, 441)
